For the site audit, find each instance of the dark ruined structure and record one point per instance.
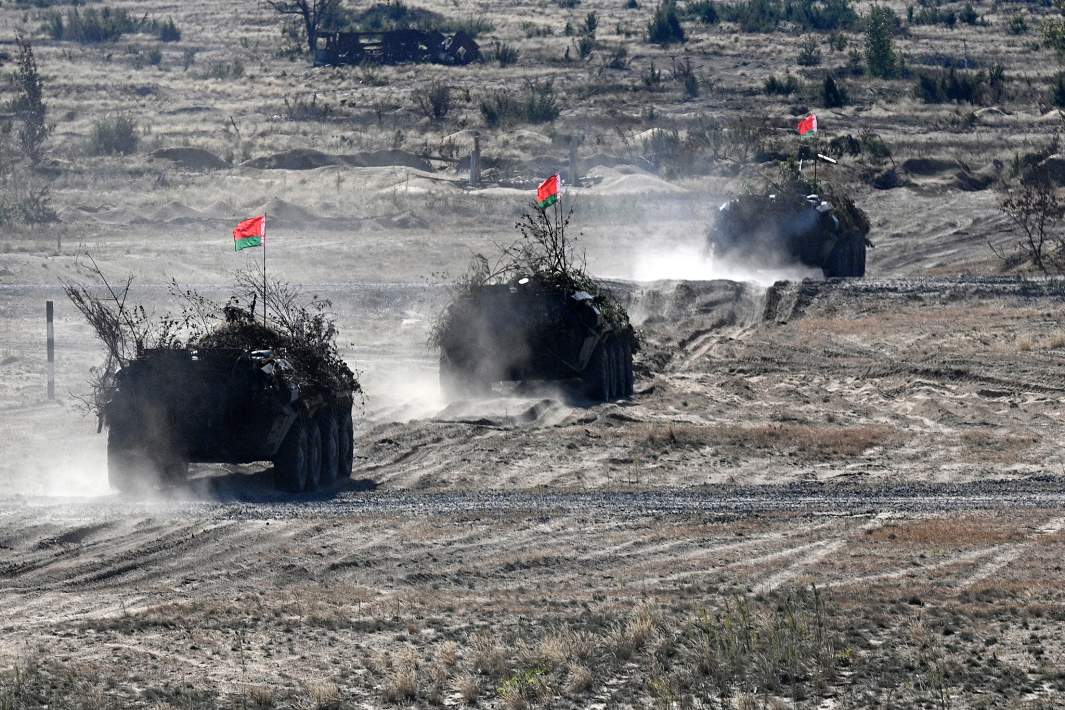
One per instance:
(170, 407)
(396, 47)
(792, 223)
(533, 328)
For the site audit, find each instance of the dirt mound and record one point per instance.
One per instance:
(299, 159)
(178, 213)
(930, 166)
(387, 159)
(280, 212)
(190, 158)
(632, 181)
(306, 159)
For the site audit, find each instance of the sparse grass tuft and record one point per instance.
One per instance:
(785, 86)
(114, 135)
(503, 53)
(488, 656)
(468, 688)
(401, 681)
(433, 101)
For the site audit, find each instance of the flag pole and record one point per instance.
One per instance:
(264, 269)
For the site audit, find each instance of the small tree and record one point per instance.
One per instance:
(664, 27)
(832, 94)
(880, 54)
(314, 13)
(28, 103)
(1036, 213)
(434, 102)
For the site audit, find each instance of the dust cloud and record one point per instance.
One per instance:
(672, 246)
(401, 390)
(75, 467)
(689, 262)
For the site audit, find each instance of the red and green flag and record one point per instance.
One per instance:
(547, 193)
(250, 233)
(808, 125)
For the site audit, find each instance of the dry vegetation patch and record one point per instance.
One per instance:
(808, 440)
(950, 532)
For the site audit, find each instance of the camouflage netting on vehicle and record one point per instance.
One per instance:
(310, 346)
(780, 199)
(545, 254)
(301, 331)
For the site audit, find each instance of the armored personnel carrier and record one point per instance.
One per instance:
(169, 407)
(533, 328)
(789, 223)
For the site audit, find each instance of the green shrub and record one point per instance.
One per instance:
(155, 56)
(168, 31)
(702, 10)
(28, 104)
(837, 41)
(225, 70)
(953, 85)
(932, 15)
(540, 104)
(497, 107)
(651, 77)
(684, 74)
(664, 27)
(809, 53)
(1053, 31)
(300, 109)
(768, 15)
(584, 45)
(968, 15)
(1017, 25)
(618, 59)
(832, 94)
(504, 53)
(116, 135)
(856, 63)
(880, 55)
(591, 24)
(433, 101)
(91, 26)
(1057, 90)
(781, 87)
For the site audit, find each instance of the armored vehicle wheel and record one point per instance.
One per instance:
(314, 457)
(847, 260)
(617, 382)
(130, 468)
(597, 376)
(330, 433)
(346, 441)
(458, 382)
(292, 459)
(859, 257)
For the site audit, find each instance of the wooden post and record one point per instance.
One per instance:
(48, 311)
(475, 161)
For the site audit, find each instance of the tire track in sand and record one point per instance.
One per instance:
(1010, 553)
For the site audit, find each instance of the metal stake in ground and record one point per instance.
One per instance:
(48, 311)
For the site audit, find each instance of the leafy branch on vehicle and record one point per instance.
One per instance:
(544, 252)
(302, 330)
